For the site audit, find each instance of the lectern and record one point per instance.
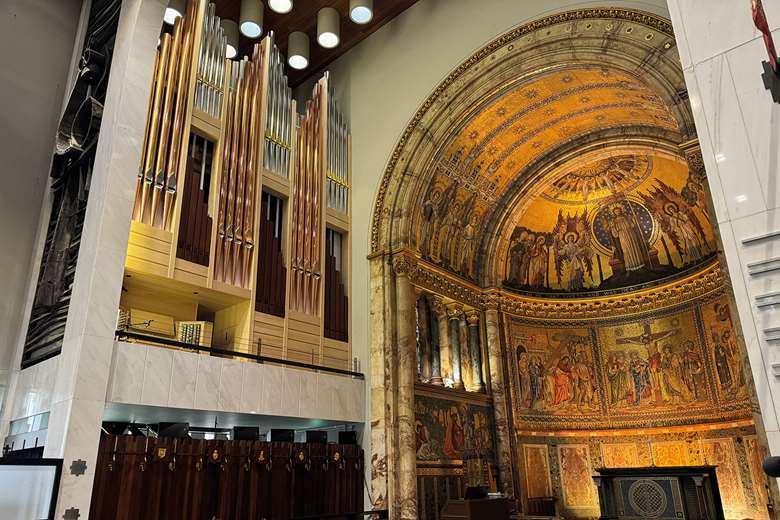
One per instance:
(479, 509)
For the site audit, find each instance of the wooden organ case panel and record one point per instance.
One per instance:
(271, 270)
(336, 301)
(235, 191)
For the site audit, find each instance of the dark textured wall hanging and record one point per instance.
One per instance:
(71, 173)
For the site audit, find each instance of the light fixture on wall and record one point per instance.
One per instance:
(174, 10)
(328, 27)
(251, 18)
(361, 11)
(281, 6)
(298, 50)
(230, 29)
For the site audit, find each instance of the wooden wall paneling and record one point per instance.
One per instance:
(105, 488)
(304, 335)
(281, 480)
(260, 501)
(148, 249)
(269, 335)
(232, 327)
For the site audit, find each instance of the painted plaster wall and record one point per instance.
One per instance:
(33, 78)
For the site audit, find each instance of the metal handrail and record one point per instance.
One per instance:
(121, 335)
(380, 513)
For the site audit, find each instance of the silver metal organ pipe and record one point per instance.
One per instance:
(278, 122)
(209, 90)
(338, 157)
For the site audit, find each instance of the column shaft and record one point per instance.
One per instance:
(435, 354)
(407, 342)
(455, 312)
(475, 349)
(499, 401)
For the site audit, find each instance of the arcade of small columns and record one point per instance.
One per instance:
(446, 334)
(440, 362)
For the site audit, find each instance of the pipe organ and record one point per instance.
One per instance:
(239, 203)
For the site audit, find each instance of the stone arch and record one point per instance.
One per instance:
(636, 45)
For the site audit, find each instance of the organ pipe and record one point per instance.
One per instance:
(278, 129)
(307, 211)
(215, 130)
(338, 157)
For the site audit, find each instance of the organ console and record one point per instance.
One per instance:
(241, 215)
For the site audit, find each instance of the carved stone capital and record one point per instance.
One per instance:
(403, 265)
(472, 316)
(455, 311)
(438, 307)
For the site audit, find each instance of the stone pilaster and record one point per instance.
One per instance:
(475, 349)
(445, 352)
(498, 390)
(406, 350)
(455, 314)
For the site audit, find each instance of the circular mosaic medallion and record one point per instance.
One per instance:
(647, 498)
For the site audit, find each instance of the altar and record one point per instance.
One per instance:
(662, 493)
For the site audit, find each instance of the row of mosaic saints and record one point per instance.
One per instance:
(614, 244)
(660, 364)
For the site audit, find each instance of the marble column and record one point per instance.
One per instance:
(497, 389)
(433, 329)
(475, 349)
(445, 353)
(406, 349)
(455, 314)
(424, 338)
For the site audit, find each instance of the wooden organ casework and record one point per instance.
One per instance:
(240, 228)
(450, 343)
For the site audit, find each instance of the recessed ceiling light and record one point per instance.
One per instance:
(280, 6)
(230, 29)
(361, 11)
(174, 10)
(251, 18)
(328, 27)
(298, 50)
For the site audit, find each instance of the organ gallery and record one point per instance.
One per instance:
(406, 260)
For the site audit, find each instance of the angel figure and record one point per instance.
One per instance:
(690, 242)
(572, 248)
(677, 219)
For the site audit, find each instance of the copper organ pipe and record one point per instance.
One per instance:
(238, 180)
(177, 139)
(160, 179)
(219, 272)
(308, 172)
(165, 47)
(137, 206)
(163, 140)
